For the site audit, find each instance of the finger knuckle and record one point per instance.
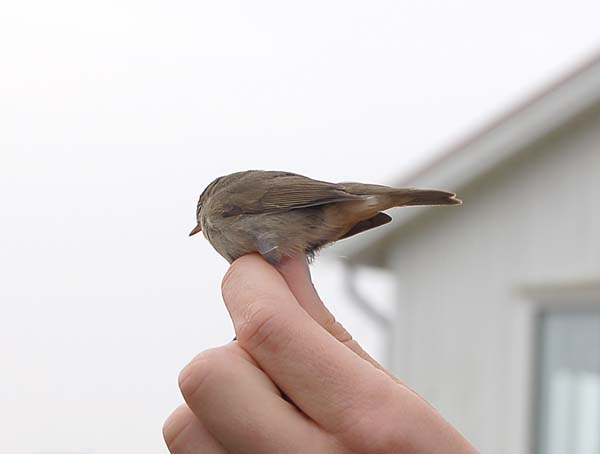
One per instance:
(201, 373)
(175, 426)
(262, 327)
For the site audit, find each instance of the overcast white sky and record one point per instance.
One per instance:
(114, 115)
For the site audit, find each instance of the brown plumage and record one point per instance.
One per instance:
(281, 214)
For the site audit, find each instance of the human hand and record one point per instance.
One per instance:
(296, 382)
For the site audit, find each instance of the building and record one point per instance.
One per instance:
(497, 320)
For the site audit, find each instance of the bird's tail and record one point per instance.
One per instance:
(418, 197)
(378, 198)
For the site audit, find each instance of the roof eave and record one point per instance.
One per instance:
(500, 141)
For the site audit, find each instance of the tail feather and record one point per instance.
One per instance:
(418, 197)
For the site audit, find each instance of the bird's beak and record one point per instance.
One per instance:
(197, 229)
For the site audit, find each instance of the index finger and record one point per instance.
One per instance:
(296, 274)
(326, 380)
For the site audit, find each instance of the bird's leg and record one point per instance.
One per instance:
(269, 249)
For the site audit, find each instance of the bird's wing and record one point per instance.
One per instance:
(289, 192)
(282, 191)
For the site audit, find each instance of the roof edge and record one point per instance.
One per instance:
(503, 138)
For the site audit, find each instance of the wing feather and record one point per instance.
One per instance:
(283, 191)
(293, 192)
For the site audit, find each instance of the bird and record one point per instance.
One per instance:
(282, 214)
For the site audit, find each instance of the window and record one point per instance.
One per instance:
(568, 382)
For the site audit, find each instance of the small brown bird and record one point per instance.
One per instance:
(281, 214)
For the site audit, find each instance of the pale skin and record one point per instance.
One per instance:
(295, 381)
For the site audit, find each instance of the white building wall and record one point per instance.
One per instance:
(464, 330)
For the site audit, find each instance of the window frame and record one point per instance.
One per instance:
(539, 299)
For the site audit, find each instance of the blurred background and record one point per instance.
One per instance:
(115, 115)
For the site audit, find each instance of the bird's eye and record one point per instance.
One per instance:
(198, 209)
